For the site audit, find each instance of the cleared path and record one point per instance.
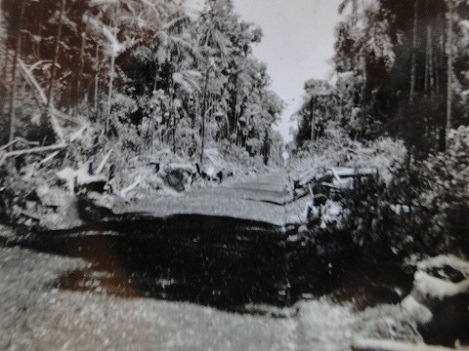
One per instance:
(260, 200)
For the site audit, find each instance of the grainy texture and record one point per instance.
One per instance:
(35, 316)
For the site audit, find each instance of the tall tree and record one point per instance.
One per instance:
(414, 53)
(449, 74)
(14, 69)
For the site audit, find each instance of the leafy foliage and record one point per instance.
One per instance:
(400, 72)
(145, 72)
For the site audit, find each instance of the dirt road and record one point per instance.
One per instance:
(36, 316)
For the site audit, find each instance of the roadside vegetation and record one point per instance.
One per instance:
(127, 85)
(144, 97)
(398, 103)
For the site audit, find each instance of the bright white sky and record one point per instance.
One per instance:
(297, 44)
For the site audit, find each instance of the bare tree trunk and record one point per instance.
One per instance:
(172, 114)
(81, 64)
(449, 96)
(6, 57)
(428, 63)
(39, 29)
(414, 54)
(109, 94)
(311, 107)
(111, 81)
(45, 128)
(439, 54)
(96, 81)
(4, 79)
(6, 60)
(56, 56)
(234, 103)
(203, 112)
(76, 84)
(13, 73)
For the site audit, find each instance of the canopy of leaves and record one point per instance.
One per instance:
(142, 65)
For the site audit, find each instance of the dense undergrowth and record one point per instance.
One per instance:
(416, 205)
(127, 89)
(36, 184)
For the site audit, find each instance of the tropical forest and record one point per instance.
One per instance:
(150, 199)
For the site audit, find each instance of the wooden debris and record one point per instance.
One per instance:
(78, 134)
(48, 158)
(19, 140)
(130, 187)
(391, 345)
(55, 112)
(38, 149)
(30, 216)
(311, 178)
(103, 162)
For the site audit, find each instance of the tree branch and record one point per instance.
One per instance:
(391, 345)
(32, 150)
(17, 140)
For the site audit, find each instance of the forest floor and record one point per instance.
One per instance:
(36, 315)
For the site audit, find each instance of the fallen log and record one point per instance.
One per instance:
(131, 187)
(18, 140)
(48, 158)
(33, 150)
(103, 162)
(392, 345)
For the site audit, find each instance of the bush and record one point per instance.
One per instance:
(420, 206)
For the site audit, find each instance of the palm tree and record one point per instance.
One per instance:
(345, 3)
(106, 23)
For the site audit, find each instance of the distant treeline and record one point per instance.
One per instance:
(401, 68)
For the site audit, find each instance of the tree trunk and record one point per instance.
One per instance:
(111, 80)
(449, 96)
(109, 94)
(311, 108)
(234, 103)
(39, 29)
(439, 54)
(429, 81)
(266, 147)
(172, 113)
(96, 81)
(13, 73)
(76, 85)
(45, 122)
(56, 56)
(360, 344)
(413, 73)
(81, 65)
(4, 79)
(204, 111)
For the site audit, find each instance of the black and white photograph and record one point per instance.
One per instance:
(234, 175)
